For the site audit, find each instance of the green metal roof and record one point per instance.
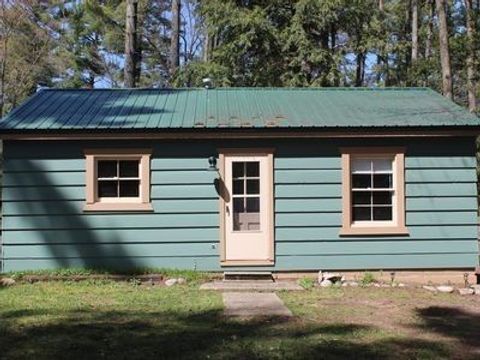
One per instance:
(129, 109)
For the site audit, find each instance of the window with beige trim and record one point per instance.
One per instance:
(118, 180)
(373, 191)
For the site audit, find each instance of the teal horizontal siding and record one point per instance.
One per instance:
(312, 162)
(441, 189)
(193, 249)
(207, 263)
(308, 191)
(308, 205)
(99, 236)
(44, 224)
(110, 221)
(308, 176)
(114, 250)
(75, 207)
(374, 247)
(305, 262)
(440, 175)
(441, 203)
(433, 231)
(441, 162)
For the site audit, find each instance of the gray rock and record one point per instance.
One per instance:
(430, 288)
(320, 277)
(171, 282)
(401, 285)
(466, 291)
(7, 282)
(181, 281)
(333, 277)
(445, 289)
(326, 283)
(476, 289)
(352, 283)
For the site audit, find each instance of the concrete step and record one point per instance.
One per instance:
(251, 285)
(248, 275)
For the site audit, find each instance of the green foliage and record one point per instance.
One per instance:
(367, 279)
(307, 283)
(189, 275)
(78, 43)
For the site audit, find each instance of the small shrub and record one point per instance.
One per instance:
(367, 279)
(307, 283)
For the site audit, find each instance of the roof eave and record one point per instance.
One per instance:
(242, 133)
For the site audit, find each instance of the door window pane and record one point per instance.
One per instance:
(238, 169)
(238, 187)
(253, 187)
(245, 183)
(253, 205)
(253, 169)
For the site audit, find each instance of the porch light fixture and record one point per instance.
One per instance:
(212, 164)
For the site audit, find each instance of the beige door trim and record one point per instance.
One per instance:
(224, 198)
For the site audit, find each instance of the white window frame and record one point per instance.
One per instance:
(96, 203)
(396, 226)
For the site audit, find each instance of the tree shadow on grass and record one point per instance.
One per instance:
(452, 322)
(91, 334)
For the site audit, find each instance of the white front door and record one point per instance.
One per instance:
(248, 208)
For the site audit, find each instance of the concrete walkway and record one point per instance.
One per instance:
(249, 304)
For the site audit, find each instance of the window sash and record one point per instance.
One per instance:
(370, 160)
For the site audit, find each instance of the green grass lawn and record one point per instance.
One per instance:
(121, 320)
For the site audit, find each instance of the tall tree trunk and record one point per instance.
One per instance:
(207, 43)
(447, 85)
(175, 40)
(428, 41)
(3, 71)
(381, 5)
(414, 31)
(471, 81)
(130, 68)
(360, 73)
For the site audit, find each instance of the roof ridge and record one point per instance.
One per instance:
(359, 89)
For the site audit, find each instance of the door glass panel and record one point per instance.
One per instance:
(238, 169)
(238, 187)
(245, 191)
(253, 169)
(253, 187)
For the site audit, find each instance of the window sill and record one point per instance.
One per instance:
(373, 230)
(120, 207)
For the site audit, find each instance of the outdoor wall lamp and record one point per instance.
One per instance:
(212, 164)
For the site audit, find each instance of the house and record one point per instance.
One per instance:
(260, 178)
